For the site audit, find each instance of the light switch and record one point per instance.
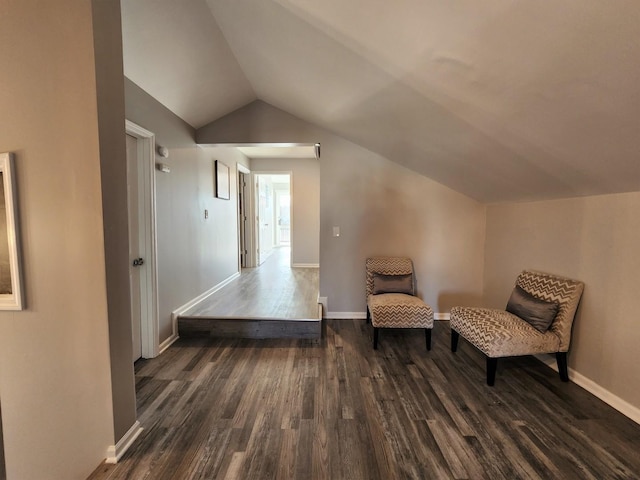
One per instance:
(336, 231)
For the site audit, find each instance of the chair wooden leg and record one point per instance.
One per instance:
(375, 338)
(427, 334)
(492, 364)
(561, 358)
(368, 315)
(454, 340)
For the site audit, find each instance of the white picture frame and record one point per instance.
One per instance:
(11, 287)
(222, 180)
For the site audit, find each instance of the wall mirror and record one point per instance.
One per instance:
(11, 294)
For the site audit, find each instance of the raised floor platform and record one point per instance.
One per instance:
(270, 301)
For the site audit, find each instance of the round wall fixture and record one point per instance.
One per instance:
(163, 151)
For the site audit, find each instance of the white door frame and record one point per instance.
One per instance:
(254, 175)
(248, 213)
(149, 274)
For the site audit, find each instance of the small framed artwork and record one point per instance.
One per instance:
(11, 295)
(222, 180)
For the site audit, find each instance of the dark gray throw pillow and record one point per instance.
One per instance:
(392, 284)
(539, 313)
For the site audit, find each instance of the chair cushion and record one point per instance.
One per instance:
(398, 310)
(498, 333)
(538, 313)
(392, 284)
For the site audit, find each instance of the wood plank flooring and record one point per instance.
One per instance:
(274, 290)
(270, 301)
(219, 408)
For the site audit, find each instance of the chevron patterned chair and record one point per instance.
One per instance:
(391, 297)
(538, 319)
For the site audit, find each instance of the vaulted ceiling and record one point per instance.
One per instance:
(502, 100)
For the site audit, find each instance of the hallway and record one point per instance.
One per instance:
(272, 291)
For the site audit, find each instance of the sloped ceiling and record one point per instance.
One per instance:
(501, 100)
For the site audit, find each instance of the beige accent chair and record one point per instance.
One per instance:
(545, 306)
(391, 297)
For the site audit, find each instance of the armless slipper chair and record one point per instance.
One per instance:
(391, 297)
(538, 319)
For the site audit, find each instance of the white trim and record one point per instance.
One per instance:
(115, 452)
(248, 213)
(15, 299)
(149, 305)
(173, 338)
(200, 298)
(256, 228)
(325, 305)
(592, 387)
(305, 265)
(441, 316)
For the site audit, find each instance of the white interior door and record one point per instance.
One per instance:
(242, 219)
(283, 216)
(265, 217)
(142, 241)
(135, 253)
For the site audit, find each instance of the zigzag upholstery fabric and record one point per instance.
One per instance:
(498, 333)
(398, 310)
(387, 266)
(395, 310)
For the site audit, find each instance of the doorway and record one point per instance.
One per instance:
(142, 240)
(135, 249)
(273, 219)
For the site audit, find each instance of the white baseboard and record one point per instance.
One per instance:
(173, 338)
(190, 304)
(115, 452)
(200, 298)
(325, 306)
(441, 316)
(305, 265)
(592, 387)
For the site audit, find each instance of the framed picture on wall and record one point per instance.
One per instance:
(222, 180)
(11, 295)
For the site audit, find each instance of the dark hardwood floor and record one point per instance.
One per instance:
(334, 408)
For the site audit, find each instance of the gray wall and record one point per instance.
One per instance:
(55, 386)
(380, 207)
(194, 253)
(305, 203)
(593, 239)
(110, 97)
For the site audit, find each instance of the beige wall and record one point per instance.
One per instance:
(54, 356)
(381, 209)
(194, 253)
(593, 239)
(305, 203)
